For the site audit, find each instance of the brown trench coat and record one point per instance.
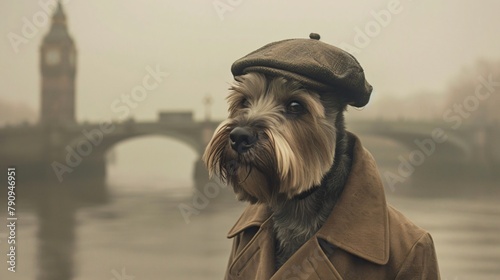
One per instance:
(363, 238)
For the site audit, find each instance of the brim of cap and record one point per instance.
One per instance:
(313, 84)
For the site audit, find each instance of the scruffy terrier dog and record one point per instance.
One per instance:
(284, 147)
(276, 147)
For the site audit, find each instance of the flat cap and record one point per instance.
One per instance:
(317, 65)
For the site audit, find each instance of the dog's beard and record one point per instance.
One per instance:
(251, 174)
(292, 153)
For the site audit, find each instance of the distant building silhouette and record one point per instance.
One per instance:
(58, 69)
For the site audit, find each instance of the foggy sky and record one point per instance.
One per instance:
(421, 48)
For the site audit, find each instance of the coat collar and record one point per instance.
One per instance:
(359, 221)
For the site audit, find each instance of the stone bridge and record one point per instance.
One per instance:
(79, 150)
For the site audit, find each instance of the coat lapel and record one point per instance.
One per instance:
(256, 259)
(359, 222)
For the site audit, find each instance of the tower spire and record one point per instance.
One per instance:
(58, 67)
(59, 16)
(58, 29)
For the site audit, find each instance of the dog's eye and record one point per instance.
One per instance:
(245, 103)
(294, 107)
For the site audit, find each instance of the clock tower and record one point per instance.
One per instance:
(58, 69)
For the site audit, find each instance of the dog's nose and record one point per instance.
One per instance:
(242, 139)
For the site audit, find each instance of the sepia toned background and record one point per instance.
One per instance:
(105, 107)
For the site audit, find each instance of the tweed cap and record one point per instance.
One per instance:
(317, 65)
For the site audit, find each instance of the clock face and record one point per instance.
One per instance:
(52, 57)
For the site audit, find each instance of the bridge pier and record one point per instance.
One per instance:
(213, 188)
(88, 181)
(200, 175)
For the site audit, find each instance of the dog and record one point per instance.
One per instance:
(284, 145)
(266, 152)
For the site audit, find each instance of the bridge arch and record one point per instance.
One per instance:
(453, 148)
(189, 133)
(154, 162)
(191, 137)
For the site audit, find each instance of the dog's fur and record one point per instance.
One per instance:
(299, 161)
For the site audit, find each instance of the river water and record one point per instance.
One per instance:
(141, 233)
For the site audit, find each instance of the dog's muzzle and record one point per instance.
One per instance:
(242, 139)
